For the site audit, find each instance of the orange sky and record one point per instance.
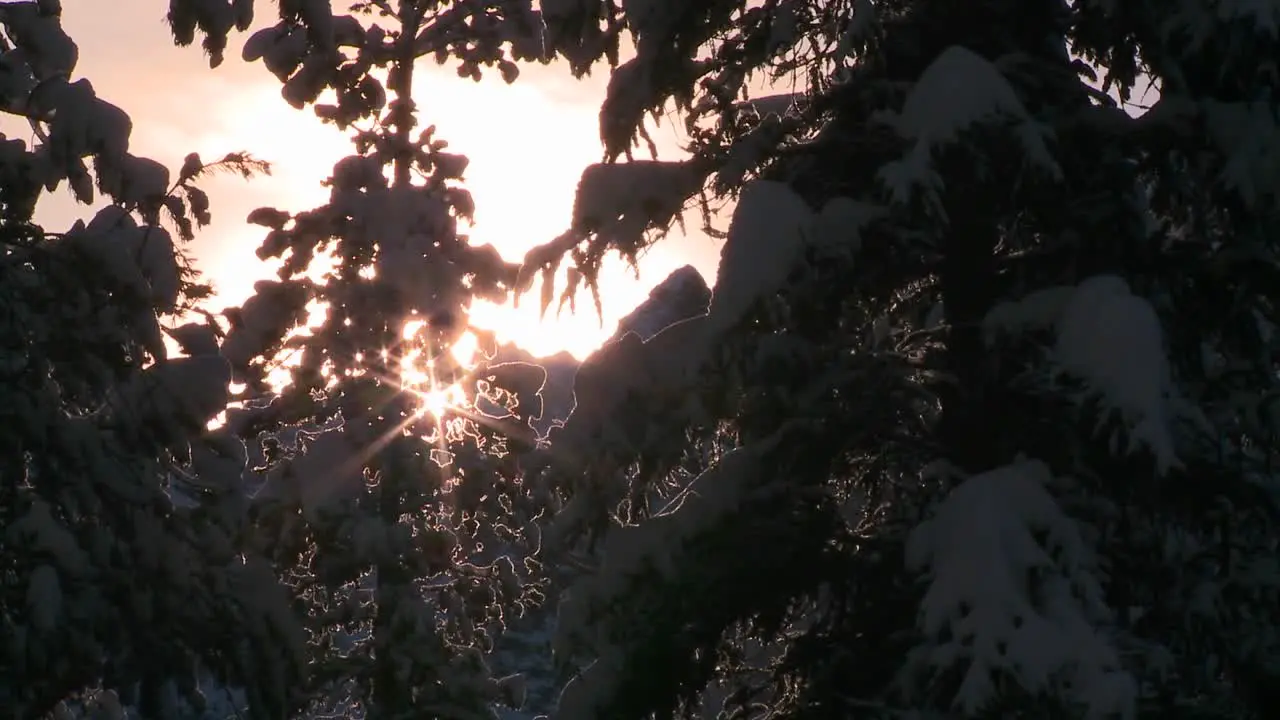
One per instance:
(527, 144)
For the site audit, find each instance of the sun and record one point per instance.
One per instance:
(441, 401)
(436, 399)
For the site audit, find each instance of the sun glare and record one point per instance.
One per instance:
(523, 191)
(440, 401)
(436, 399)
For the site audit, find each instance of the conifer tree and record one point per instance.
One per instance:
(391, 500)
(975, 424)
(113, 593)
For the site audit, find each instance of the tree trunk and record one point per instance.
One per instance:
(969, 426)
(392, 694)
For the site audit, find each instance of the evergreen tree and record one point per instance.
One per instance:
(112, 593)
(977, 421)
(392, 499)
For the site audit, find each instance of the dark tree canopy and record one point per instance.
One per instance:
(978, 419)
(984, 378)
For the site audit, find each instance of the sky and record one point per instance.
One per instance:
(527, 143)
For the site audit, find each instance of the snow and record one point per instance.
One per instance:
(48, 50)
(281, 48)
(600, 387)
(180, 392)
(134, 181)
(81, 125)
(1038, 310)
(1112, 340)
(407, 224)
(748, 151)
(1002, 602)
(904, 177)
(628, 96)
(767, 234)
(107, 244)
(142, 259)
(769, 230)
(618, 201)
(779, 105)
(274, 308)
(308, 82)
(262, 41)
(195, 339)
(773, 117)
(766, 239)
(838, 226)
(959, 90)
(682, 295)
(859, 29)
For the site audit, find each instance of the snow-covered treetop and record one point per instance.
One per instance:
(682, 295)
(390, 491)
